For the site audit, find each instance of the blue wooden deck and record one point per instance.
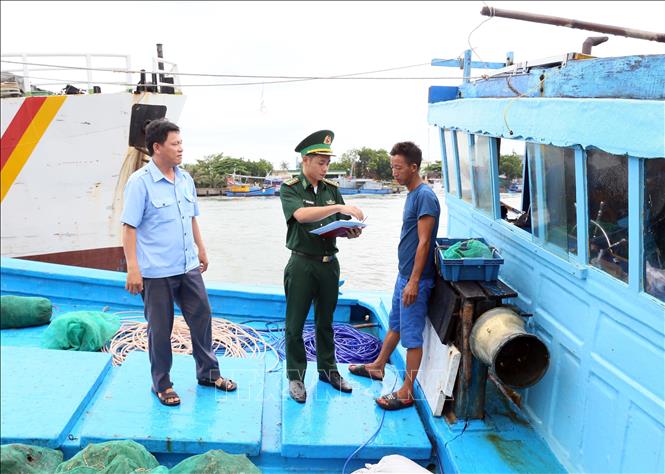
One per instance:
(332, 424)
(279, 435)
(205, 419)
(45, 391)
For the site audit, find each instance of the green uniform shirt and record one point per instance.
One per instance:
(301, 194)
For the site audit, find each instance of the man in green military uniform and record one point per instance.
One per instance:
(310, 201)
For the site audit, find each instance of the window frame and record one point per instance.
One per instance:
(454, 163)
(471, 174)
(636, 265)
(577, 264)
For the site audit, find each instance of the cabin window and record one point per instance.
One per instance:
(654, 227)
(464, 165)
(552, 194)
(482, 184)
(452, 166)
(607, 185)
(513, 188)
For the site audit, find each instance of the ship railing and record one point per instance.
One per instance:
(166, 78)
(40, 73)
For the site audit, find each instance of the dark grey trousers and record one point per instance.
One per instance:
(189, 293)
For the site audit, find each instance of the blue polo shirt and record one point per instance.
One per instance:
(420, 202)
(162, 212)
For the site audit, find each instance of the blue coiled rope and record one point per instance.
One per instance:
(351, 345)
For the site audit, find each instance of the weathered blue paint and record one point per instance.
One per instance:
(494, 174)
(460, 64)
(27, 374)
(630, 77)
(582, 206)
(600, 406)
(478, 446)
(525, 444)
(206, 418)
(332, 424)
(635, 222)
(589, 122)
(444, 161)
(233, 300)
(467, 67)
(456, 172)
(442, 94)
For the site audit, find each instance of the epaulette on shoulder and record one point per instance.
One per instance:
(331, 182)
(292, 181)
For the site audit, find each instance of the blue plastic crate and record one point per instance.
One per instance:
(458, 269)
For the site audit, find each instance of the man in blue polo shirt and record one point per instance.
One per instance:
(415, 280)
(159, 236)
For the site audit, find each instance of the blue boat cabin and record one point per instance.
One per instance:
(583, 236)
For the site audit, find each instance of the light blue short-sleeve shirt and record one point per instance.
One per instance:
(162, 212)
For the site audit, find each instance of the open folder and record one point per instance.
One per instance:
(338, 228)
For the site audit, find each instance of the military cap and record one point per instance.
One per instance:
(317, 143)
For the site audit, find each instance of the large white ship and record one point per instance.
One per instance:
(67, 155)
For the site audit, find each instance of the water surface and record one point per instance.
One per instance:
(245, 239)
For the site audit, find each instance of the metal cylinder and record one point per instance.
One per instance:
(592, 41)
(571, 23)
(499, 340)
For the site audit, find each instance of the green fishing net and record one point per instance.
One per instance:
(80, 331)
(112, 457)
(468, 249)
(24, 311)
(116, 457)
(216, 461)
(26, 459)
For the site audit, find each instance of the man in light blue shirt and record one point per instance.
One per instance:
(165, 258)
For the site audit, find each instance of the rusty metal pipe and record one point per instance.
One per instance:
(515, 357)
(592, 41)
(570, 23)
(467, 323)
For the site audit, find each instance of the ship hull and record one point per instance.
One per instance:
(65, 161)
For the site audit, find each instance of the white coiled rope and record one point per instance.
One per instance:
(233, 340)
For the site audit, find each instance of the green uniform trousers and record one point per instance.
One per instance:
(307, 281)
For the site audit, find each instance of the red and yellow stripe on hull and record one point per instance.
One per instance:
(23, 134)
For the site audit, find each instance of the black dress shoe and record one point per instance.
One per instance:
(297, 391)
(336, 380)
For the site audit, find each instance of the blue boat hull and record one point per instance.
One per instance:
(374, 191)
(117, 403)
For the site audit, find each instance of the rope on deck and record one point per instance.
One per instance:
(229, 339)
(351, 345)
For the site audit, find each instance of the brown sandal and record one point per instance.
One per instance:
(169, 399)
(227, 385)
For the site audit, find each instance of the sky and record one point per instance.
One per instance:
(311, 39)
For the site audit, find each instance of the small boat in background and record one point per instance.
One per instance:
(362, 186)
(370, 186)
(240, 189)
(347, 185)
(245, 190)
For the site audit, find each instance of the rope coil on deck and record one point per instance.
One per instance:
(229, 339)
(351, 345)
